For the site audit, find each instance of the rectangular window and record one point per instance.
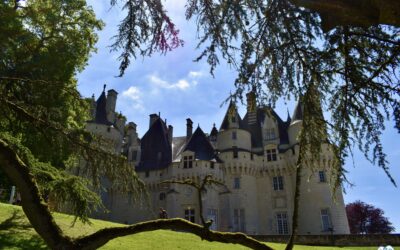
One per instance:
(251, 156)
(235, 152)
(326, 220)
(188, 161)
(236, 183)
(282, 223)
(270, 134)
(271, 154)
(212, 165)
(239, 223)
(278, 182)
(190, 215)
(212, 215)
(234, 135)
(321, 175)
(147, 173)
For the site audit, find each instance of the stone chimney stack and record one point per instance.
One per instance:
(251, 107)
(153, 118)
(189, 128)
(170, 133)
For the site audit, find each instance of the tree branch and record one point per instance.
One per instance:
(103, 236)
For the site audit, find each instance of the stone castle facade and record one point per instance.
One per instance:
(253, 156)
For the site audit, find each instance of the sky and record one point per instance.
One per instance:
(178, 88)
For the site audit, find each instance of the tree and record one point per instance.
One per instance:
(367, 219)
(348, 67)
(357, 12)
(278, 49)
(43, 45)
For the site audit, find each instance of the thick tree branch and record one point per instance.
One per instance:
(32, 203)
(103, 236)
(41, 219)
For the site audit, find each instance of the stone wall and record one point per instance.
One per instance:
(337, 240)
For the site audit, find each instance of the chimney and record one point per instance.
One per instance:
(189, 128)
(153, 118)
(251, 108)
(170, 133)
(251, 102)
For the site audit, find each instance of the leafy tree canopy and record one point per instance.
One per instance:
(42, 137)
(45, 43)
(367, 219)
(279, 49)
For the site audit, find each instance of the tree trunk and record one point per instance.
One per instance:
(296, 201)
(33, 205)
(42, 221)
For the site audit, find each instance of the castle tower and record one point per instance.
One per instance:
(111, 103)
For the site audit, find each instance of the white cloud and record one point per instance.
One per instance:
(181, 84)
(135, 97)
(195, 74)
(133, 93)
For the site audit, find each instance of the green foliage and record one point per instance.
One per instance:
(280, 50)
(45, 43)
(62, 187)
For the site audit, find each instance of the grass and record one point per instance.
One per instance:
(17, 233)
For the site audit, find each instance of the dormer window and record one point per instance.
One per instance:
(188, 161)
(271, 154)
(270, 134)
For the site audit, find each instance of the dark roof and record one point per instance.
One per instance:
(156, 151)
(298, 112)
(178, 144)
(101, 113)
(255, 129)
(226, 121)
(214, 131)
(200, 145)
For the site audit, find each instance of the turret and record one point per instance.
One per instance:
(110, 106)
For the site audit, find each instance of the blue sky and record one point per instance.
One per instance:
(179, 88)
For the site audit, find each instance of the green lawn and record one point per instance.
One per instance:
(16, 233)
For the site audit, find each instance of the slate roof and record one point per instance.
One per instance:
(156, 150)
(255, 129)
(225, 121)
(101, 111)
(298, 112)
(214, 131)
(178, 144)
(200, 145)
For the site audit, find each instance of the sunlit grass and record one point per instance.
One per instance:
(17, 233)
